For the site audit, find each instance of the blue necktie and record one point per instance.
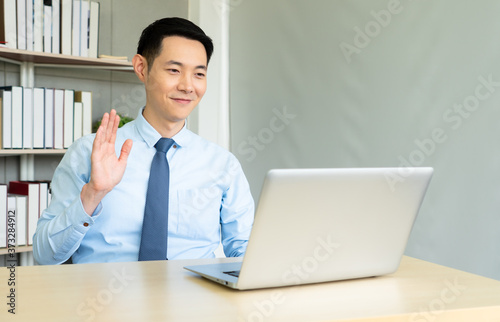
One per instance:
(155, 227)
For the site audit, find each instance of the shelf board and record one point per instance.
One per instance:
(59, 59)
(19, 249)
(15, 152)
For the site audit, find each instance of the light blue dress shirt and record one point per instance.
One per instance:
(209, 202)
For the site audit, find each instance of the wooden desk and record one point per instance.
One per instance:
(164, 291)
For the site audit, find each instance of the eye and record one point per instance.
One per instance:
(200, 75)
(173, 70)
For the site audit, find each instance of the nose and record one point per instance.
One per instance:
(185, 84)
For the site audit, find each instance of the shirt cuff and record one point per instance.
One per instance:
(83, 221)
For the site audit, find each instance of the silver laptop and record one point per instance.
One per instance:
(319, 225)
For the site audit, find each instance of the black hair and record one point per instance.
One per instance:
(150, 43)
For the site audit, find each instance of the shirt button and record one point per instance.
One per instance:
(175, 146)
(86, 224)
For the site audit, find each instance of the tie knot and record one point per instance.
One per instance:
(164, 144)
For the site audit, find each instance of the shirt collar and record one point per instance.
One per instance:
(151, 136)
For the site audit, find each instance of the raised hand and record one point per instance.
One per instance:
(107, 169)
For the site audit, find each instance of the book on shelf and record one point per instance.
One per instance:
(44, 196)
(21, 24)
(70, 27)
(47, 26)
(77, 120)
(8, 26)
(28, 219)
(29, 25)
(66, 26)
(38, 118)
(58, 118)
(12, 213)
(87, 113)
(16, 115)
(25, 200)
(38, 12)
(43, 118)
(84, 28)
(44, 201)
(6, 118)
(94, 29)
(69, 105)
(17, 207)
(28, 118)
(3, 215)
(77, 5)
(85, 98)
(49, 118)
(21, 220)
(56, 26)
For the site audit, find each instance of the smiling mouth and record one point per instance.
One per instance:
(182, 100)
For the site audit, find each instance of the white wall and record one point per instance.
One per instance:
(358, 83)
(211, 118)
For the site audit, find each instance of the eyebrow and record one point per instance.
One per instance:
(174, 62)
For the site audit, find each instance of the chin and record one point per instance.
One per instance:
(179, 118)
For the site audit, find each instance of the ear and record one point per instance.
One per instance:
(140, 67)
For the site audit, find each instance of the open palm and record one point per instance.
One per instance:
(107, 169)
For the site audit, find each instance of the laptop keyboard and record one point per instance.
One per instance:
(233, 273)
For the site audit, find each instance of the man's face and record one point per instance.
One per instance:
(176, 82)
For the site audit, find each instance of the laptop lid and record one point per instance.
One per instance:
(318, 225)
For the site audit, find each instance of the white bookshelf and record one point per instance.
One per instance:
(18, 249)
(17, 152)
(21, 57)
(28, 61)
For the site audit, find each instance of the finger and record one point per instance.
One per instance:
(125, 152)
(116, 124)
(101, 133)
(105, 120)
(114, 128)
(98, 143)
(110, 125)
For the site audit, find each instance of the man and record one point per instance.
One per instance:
(99, 189)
